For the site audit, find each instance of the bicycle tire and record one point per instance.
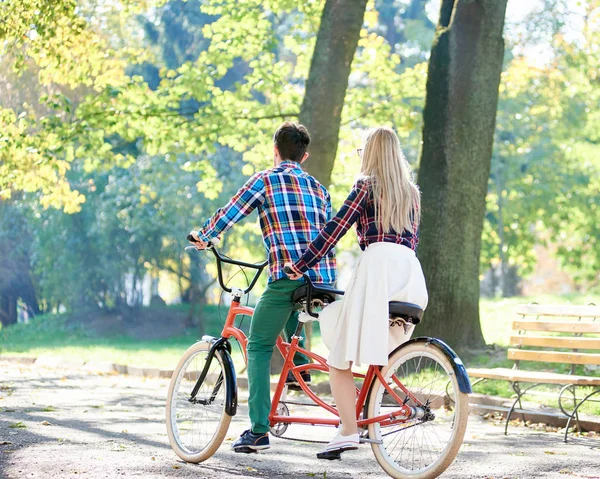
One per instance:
(213, 420)
(427, 373)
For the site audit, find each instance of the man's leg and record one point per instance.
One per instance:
(270, 316)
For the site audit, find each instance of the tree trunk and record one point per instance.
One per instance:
(29, 296)
(8, 310)
(458, 130)
(327, 82)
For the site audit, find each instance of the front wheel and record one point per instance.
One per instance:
(197, 425)
(422, 447)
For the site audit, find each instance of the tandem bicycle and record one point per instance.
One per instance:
(412, 412)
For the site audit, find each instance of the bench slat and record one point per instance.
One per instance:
(556, 342)
(559, 310)
(532, 376)
(554, 357)
(557, 326)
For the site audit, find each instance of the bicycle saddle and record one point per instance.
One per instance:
(319, 291)
(408, 311)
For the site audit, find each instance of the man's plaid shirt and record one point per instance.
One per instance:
(292, 206)
(358, 208)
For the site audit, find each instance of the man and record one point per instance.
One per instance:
(292, 207)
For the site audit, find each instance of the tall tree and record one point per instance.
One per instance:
(458, 132)
(321, 110)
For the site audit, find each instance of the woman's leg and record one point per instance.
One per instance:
(344, 395)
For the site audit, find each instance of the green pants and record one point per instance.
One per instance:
(273, 313)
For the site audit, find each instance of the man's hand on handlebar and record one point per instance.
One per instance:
(292, 273)
(196, 241)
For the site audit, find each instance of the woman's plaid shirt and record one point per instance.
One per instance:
(358, 208)
(292, 207)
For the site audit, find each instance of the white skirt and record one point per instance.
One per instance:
(356, 328)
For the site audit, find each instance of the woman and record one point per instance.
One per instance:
(385, 205)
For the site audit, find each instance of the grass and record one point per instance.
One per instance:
(56, 335)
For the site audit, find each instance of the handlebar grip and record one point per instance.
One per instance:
(211, 241)
(288, 270)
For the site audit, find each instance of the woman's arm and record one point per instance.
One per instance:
(335, 228)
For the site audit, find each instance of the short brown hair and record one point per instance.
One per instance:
(292, 140)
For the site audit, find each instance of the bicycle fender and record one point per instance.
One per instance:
(224, 347)
(217, 342)
(464, 383)
(231, 400)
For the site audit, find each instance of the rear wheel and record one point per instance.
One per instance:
(197, 426)
(422, 447)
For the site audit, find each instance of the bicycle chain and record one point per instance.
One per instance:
(313, 441)
(302, 440)
(295, 403)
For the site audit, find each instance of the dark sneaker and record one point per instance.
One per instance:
(250, 442)
(291, 382)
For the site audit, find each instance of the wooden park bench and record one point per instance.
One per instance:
(551, 334)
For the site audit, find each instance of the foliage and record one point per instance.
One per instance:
(66, 54)
(123, 124)
(544, 183)
(117, 136)
(192, 104)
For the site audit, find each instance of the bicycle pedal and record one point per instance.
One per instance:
(330, 456)
(366, 440)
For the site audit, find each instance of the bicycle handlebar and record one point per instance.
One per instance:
(257, 266)
(222, 259)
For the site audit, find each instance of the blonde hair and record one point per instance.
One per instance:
(397, 198)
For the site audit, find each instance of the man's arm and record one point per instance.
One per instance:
(249, 196)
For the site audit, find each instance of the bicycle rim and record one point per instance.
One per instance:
(419, 449)
(197, 427)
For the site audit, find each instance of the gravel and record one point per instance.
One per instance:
(57, 423)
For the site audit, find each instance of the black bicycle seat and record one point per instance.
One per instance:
(319, 291)
(408, 311)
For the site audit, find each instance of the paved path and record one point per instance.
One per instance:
(103, 426)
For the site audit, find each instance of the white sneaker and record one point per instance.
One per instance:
(342, 443)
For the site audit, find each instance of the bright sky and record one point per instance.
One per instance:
(515, 10)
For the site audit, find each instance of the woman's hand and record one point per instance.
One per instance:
(295, 275)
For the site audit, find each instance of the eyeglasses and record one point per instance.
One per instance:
(359, 151)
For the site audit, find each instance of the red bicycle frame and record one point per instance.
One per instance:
(288, 350)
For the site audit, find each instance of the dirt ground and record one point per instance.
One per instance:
(67, 424)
